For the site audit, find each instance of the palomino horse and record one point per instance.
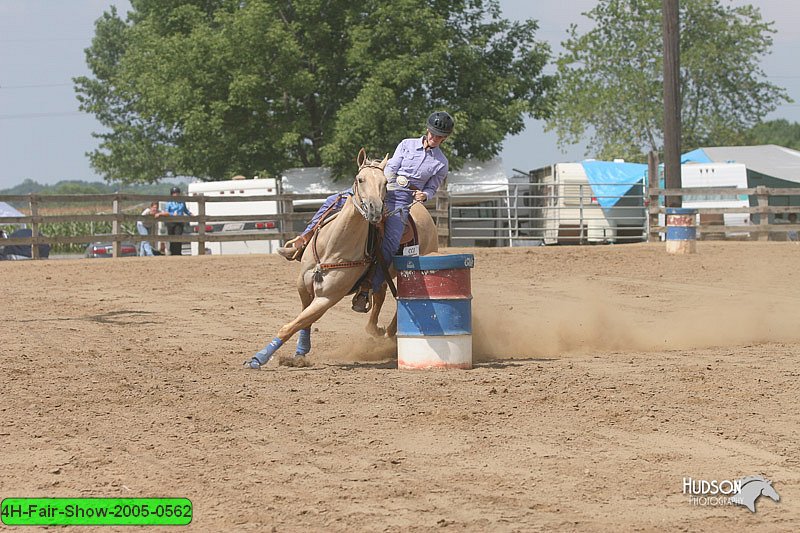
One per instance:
(335, 259)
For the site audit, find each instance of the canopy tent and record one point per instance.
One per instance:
(477, 183)
(474, 178)
(478, 178)
(310, 180)
(8, 211)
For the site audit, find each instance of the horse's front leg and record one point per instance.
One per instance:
(378, 297)
(308, 316)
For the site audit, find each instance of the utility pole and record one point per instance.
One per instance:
(672, 101)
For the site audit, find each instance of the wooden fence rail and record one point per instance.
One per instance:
(117, 217)
(762, 209)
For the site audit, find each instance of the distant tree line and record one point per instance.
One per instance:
(87, 187)
(780, 132)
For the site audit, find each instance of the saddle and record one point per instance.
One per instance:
(410, 236)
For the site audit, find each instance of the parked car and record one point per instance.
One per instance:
(104, 249)
(19, 251)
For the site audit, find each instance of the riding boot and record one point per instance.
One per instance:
(293, 250)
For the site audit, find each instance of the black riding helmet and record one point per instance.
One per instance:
(175, 190)
(441, 123)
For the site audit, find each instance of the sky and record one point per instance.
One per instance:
(44, 137)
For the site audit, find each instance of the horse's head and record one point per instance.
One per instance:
(769, 491)
(369, 188)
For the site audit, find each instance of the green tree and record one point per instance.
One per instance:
(610, 78)
(213, 88)
(780, 132)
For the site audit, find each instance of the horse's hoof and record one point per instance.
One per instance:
(253, 363)
(301, 361)
(376, 333)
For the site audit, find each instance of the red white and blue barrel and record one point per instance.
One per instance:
(434, 311)
(681, 230)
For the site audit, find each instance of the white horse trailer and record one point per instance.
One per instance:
(572, 213)
(262, 213)
(717, 175)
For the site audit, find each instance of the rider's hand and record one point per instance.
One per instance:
(420, 196)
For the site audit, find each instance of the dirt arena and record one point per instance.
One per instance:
(604, 376)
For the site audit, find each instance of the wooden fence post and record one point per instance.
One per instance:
(34, 203)
(115, 227)
(201, 225)
(652, 184)
(443, 204)
(763, 216)
(286, 208)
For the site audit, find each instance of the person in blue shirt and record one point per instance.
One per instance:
(791, 235)
(176, 209)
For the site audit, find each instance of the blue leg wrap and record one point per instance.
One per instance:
(304, 341)
(264, 355)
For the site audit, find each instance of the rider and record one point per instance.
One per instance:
(414, 173)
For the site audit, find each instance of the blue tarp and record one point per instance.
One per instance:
(610, 181)
(695, 156)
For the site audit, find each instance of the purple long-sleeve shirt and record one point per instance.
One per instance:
(425, 169)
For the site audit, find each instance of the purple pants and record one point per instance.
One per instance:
(392, 230)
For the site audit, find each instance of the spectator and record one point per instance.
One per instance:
(791, 235)
(176, 209)
(147, 227)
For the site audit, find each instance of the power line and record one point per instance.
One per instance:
(41, 115)
(43, 40)
(39, 86)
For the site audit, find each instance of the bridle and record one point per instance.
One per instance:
(358, 201)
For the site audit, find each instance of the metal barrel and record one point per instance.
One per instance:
(681, 230)
(434, 311)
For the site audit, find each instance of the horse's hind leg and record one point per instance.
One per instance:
(378, 298)
(391, 329)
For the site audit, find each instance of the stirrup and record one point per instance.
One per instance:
(361, 302)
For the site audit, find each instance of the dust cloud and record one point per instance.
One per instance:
(366, 349)
(590, 320)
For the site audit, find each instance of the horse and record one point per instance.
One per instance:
(752, 488)
(335, 259)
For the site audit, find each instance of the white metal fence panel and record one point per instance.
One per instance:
(526, 214)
